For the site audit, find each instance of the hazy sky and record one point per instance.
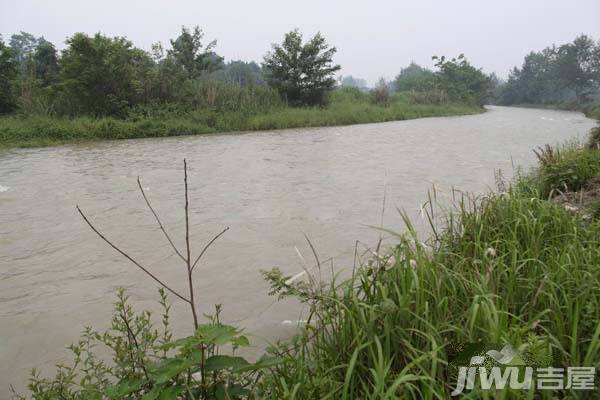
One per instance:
(374, 38)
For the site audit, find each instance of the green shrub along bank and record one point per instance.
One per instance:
(518, 266)
(173, 120)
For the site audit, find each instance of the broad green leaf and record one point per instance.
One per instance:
(168, 369)
(124, 387)
(217, 334)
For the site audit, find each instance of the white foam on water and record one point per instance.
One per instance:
(3, 189)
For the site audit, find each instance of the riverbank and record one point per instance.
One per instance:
(516, 267)
(37, 131)
(590, 110)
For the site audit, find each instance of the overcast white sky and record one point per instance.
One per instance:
(374, 38)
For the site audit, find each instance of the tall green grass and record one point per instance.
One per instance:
(510, 268)
(211, 109)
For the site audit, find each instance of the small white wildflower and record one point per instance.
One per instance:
(413, 264)
(490, 252)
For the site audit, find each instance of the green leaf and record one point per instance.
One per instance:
(240, 341)
(124, 387)
(168, 369)
(216, 363)
(230, 392)
(217, 334)
(162, 393)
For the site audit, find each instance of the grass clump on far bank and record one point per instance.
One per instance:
(218, 115)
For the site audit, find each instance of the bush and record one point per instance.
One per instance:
(566, 169)
(381, 94)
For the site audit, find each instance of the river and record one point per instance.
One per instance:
(270, 188)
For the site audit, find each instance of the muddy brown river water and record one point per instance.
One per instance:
(56, 276)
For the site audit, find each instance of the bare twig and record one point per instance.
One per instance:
(158, 220)
(207, 246)
(127, 256)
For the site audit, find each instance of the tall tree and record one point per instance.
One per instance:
(195, 59)
(303, 73)
(103, 75)
(577, 66)
(45, 60)
(8, 72)
(414, 77)
(461, 80)
(23, 45)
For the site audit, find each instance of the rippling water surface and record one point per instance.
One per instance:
(56, 276)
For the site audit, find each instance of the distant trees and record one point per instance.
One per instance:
(189, 54)
(45, 60)
(302, 72)
(462, 81)
(414, 77)
(350, 81)
(454, 80)
(103, 75)
(240, 73)
(577, 66)
(571, 71)
(8, 72)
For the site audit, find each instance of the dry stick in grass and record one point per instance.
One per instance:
(187, 259)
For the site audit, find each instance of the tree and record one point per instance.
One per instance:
(192, 56)
(414, 77)
(240, 73)
(8, 72)
(103, 75)
(302, 73)
(350, 81)
(577, 66)
(462, 81)
(45, 60)
(23, 46)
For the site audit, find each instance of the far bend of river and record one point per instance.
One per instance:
(56, 276)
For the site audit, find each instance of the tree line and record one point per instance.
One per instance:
(567, 73)
(97, 75)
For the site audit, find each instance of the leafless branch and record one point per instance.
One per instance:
(207, 246)
(127, 256)
(158, 220)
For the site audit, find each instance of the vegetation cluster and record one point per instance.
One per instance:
(566, 76)
(101, 87)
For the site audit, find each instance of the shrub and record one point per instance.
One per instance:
(567, 169)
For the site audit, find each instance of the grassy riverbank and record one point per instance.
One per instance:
(518, 267)
(345, 108)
